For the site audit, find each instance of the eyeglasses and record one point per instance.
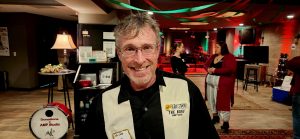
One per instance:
(131, 50)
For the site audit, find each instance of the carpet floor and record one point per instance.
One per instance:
(256, 134)
(242, 103)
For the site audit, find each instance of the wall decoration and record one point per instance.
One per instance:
(105, 75)
(4, 43)
(108, 36)
(182, 10)
(85, 54)
(109, 48)
(100, 56)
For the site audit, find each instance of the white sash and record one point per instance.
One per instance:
(175, 105)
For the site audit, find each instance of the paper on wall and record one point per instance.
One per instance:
(85, 54)
(109, 48)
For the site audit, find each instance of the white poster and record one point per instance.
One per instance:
(4, 45)
(85, 54)
(286, 84)
(109, 48)
(108, 36)
(105, 75)
(100, 56)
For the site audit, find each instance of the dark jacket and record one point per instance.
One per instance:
(149, 124)
(294, 66)
(178, 65)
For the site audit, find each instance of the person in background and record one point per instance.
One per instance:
(221, 68)
(293, 65)
(178, 64)
(146, 103)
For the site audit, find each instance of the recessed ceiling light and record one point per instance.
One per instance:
(194, 23)
(290, 16)
(175, 28)
(230, 14)
(241, 24)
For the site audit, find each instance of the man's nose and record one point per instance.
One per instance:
(139, 56)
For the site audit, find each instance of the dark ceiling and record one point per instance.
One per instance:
(257, 12)
(31, 2)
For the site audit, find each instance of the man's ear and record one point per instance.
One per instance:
(119, 54)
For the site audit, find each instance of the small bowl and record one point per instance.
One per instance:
(85, 83)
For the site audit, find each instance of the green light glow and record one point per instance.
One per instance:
(202, 20)
(183, 10)
(183, 20)
(205, 46)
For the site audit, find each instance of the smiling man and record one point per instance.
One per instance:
(147, 103)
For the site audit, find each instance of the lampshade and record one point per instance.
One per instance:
(63, 41)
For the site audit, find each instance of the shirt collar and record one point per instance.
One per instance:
(125, 86)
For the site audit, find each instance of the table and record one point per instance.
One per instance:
(65, 87)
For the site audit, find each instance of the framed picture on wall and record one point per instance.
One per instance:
(108, 36)
(85, 54)
(109, 48)
(100, 56)
(105, 75)
(4, 45)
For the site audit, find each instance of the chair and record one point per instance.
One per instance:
(272, 78)
(251, 76)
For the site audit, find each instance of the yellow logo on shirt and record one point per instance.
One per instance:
(176, 109)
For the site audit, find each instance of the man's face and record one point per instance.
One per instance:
(139, 66)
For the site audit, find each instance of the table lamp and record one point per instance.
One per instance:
(64, 41)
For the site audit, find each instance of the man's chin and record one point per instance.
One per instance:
(140, 80)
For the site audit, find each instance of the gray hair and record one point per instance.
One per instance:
(131, 25)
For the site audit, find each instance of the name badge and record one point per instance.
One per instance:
(124, 134)
(176, 110)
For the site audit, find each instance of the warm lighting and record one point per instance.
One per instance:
(85, 33)
(230, 14)
(290, 16)
(194, 23)
(241, 24)
(174, 28)
(201, 15)
(64, 41)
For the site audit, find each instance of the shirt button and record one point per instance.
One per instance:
(145, 109)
